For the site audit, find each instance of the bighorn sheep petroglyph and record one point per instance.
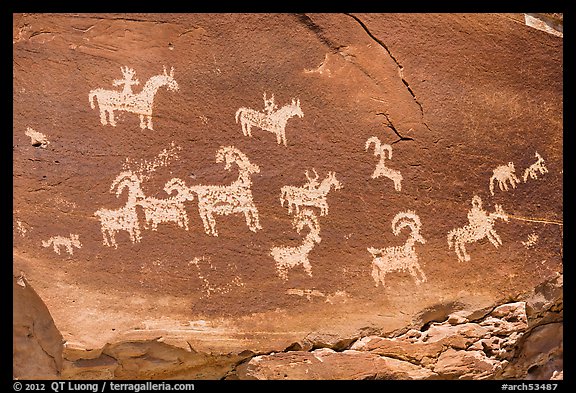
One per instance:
(124, 218)
(381, 169)
(234, 198)
(399, 258)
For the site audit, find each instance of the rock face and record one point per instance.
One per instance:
(287, 196)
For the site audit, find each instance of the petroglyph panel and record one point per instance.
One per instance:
(336, 231)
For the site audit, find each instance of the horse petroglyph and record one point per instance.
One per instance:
(140, 103)
(272, 119)
(533, 169)
(502, 174)
(481, 225)
(290, 257)
(234, 198)
(381, 169)
(61, 241)
(399, 258)
(311, 194)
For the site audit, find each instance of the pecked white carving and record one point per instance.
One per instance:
(311, 194)
(272, 119)
(233, 198)
(289, 257)
(481, 225)
(61, 241)
(381, 169)
(503, 174)
(140, 103)
(533, 169)
(399, 258)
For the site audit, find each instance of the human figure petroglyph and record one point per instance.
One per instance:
(289, 257)
(140, 103)
(381, 169)
(234, 198)
(503, 174)
(128, 74)
(123, 218)
(481, 225)
(311, 194)
(272, 119)
(269, 104)
(533, 169)
(61, 241)
(399, 258)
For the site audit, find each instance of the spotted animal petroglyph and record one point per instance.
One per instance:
(288, 257)
(233, 198)
(61, 241)
(37, 138)
(381, 169)
(503, 174)
(139, 103)
(399, 258)
(481, 225)
(311, 194)
(533, 169)
(272, 119)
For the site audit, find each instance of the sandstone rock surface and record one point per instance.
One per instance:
(287, 196)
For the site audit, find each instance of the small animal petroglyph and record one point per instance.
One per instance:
(533, 169)
(139, 103)
(272, 119)
(37, 138)
(234, 198)
(289, 257)
(502, 174)
(481, 225)
(61, 241)
(531, 240)
(311, 194)
(399, 258)
(381, 168)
